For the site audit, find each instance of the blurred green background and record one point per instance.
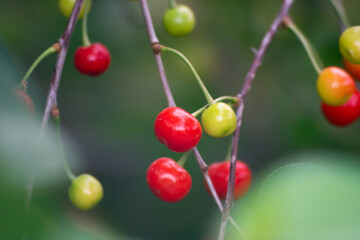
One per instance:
(108, 120)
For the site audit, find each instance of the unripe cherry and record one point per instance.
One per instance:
(219, 120)
(179, 21)
(85, 192)
(66, 7)
(349, 44)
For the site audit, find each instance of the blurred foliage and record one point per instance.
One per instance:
(317, 198)
(107, 121)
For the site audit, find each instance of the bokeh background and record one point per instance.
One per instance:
(107, 121)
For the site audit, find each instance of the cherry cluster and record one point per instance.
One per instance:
(181, 131)
(336, 87)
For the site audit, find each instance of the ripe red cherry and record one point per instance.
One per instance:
(352, 69)
(92, 60)
(345, 114)
(177, 129)
(167, 180)
(219, 174)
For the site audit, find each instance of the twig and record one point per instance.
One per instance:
(154, 41)
(64, 42)
(242, 95)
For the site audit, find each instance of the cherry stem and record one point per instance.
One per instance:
(259, 55)
(46, 53)
(183, 159)
(172, 4)
(310, 50)
(233, 100)
(340, 11)
(85, 36)
(208, 97)
(67, 169)
(64, 43)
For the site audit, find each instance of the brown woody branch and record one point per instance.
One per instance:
(284, 12)
(63, 44)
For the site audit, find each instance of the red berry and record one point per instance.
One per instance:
(352, 69)
(219, 174)
(167, 180)
(177, 129)
(92, 60)
(345, 114)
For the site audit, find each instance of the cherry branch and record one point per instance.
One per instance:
(64, 43)
(284, 12)
(157, 50)
(154, 41)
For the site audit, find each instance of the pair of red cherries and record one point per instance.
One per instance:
(180, 132)
(171, 183)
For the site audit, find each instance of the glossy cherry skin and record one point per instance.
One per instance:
(345, 114)
(179, 21)
(335, 86)
(85, 192)
(349, 44)
(167, 180)
(352, 69)
(219, 174)
(177, 129)
(92, 60)
(66, 7)
(219, 120)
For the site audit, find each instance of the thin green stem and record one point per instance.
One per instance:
(233, 100)
(340, 10)
(47, 52)
(183, 159)
(310, 50)
(208, 97)
(67, 169)
(85, 36)
(172, 4)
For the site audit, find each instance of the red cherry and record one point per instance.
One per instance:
(345, 114)
(219, 174)
(92, 60)
(177, 129)
(352, 69)
(167, 180)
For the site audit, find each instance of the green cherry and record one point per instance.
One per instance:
(85, 192)
(349, 44)
(66, 7)
(219, 120)
(179, 21)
